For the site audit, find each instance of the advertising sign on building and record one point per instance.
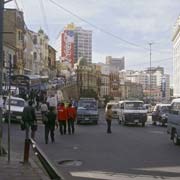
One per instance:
(67, 48)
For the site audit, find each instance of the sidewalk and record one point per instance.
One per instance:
(15, 170)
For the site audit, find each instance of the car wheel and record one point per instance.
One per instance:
(163, 123)
(143, 124)
(119, 120)
(124, 122)
(175, 138)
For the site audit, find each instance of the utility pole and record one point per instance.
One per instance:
(1, 69)
(2, 2)
(150, 75)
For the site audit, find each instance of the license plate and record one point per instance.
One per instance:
(86, 118)
(136, 121)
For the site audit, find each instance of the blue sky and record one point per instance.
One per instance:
(136, 21)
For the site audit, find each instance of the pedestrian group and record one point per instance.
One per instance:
(53, 115)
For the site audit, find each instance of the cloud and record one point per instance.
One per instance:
(137, 21)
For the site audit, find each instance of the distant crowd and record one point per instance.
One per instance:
(54, 115)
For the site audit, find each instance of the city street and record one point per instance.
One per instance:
(130, 152)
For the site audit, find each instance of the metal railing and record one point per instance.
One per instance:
(50, 169)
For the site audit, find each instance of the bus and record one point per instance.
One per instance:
(26, 83)
(44, 82)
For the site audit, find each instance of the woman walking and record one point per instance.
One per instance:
(109, 118)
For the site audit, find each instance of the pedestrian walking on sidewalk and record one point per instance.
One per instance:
(62, 118)
(50, 124)
(29, 119)
(71, 111)
(109, 118)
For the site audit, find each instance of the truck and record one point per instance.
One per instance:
(87, 111)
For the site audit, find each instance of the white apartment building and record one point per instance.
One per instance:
(150, 87)
(83, 44)
(176, 58)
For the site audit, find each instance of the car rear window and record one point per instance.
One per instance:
(15, 102)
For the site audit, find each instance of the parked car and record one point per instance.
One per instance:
(173, 127)
(115, 109)
(160, 114)
(132, 112)
(16, 108)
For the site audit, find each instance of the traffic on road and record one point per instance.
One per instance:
(119, 150)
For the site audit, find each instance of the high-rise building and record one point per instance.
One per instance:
(117, 63)
(176, 58)
(75, 43)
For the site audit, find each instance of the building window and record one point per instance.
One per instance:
(35, 56)
(20, 37)
(35, 39)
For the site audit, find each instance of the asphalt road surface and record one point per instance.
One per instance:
(130, 152)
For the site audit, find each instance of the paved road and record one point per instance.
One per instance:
(130, 152)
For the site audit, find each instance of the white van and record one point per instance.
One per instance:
(115, 109)
(132, 111)
(173, 126)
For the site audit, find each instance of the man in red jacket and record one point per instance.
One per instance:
(71, 111)
(62, 118)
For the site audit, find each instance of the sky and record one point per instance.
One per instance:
(120, 27)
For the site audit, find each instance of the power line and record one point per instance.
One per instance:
(156, 61)
(96, 27)
(101, 29)
(44, 15)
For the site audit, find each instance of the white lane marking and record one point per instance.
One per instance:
(117, 176)
(174, 169)
(157, 132)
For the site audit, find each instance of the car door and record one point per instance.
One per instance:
(174, 117)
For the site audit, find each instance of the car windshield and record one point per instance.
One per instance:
(164, 109)
(134, 105)
(87, 105)
(15, 102)
(114, 106)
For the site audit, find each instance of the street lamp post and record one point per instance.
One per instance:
(150, 75)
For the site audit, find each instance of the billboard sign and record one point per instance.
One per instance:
(67, 48)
